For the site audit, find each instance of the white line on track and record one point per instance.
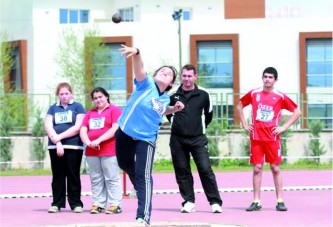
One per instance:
(176, 191)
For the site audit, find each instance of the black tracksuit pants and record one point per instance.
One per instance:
(136, 158)
(66, 169)
(181, 149)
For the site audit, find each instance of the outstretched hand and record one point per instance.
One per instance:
(128, 51)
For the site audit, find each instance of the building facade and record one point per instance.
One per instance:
(230, 41)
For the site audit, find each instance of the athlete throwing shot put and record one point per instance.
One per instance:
(139, 125)
(267, 104)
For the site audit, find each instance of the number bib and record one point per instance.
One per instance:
(264, 115)
(158, 106)
(63, 117)
(96, 123)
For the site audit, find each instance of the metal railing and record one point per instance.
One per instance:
(23, 107)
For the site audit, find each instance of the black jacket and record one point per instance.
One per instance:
(196, 115)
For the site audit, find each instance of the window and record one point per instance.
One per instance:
(113, 76)
(321, 112)
(84, 16)
(187, 15)
(126, 14)
(215, 64)
(15, 79)
(73, 16)
(17, 76)
(319, 62)
(115, 73)
(315, 54)
(217, 61)
(63, 16)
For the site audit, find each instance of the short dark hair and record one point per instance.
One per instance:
(100, 89)
(271, 70)
(174, 70)
(190, 67)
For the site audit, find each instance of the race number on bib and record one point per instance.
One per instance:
(96, 123)
(63, 117)
(265, 115)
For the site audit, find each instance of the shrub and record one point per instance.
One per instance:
(315, 147)
(6, 144)
(38, 133)
(214, 131)
(284, 138)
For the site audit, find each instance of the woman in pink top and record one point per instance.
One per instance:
(97, 132)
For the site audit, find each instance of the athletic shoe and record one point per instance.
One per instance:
(113, 210)
(216, 208)
(96, 209)
(141, 222)
(188, 208)
(54, 209)
(133, 194)
(255, 206)
(281, 207)
(78, 209)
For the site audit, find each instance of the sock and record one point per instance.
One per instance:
(280, 200)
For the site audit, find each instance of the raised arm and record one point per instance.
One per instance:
(138, 69)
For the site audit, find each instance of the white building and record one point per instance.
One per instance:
(230, 41)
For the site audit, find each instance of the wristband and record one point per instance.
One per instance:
(137, 51)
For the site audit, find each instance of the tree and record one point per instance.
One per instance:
(81, 58)
(6, 122)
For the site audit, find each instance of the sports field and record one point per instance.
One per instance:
(307, 194)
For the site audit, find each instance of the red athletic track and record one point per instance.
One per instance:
(310, 207)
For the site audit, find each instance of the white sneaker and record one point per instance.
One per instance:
(216, 208)
(141, 222)
(188, 208)
(133, 194)
(53, 209)
(78, 209)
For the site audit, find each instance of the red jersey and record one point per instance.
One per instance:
(98, 124)
(266, 111)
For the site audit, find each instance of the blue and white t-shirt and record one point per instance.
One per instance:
(143, 114)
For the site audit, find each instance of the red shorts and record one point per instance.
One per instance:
(265, 151)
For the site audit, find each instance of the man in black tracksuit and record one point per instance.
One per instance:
(188, 138)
